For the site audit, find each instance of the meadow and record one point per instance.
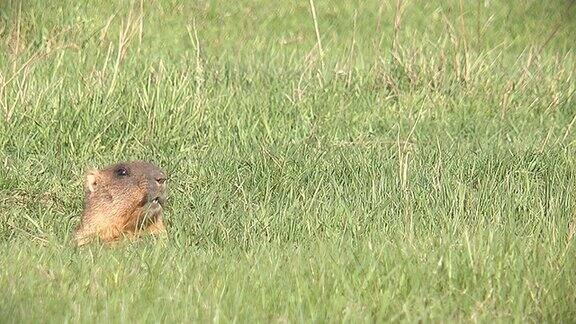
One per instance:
(329, 161)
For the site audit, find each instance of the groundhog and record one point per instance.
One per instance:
(122, 200)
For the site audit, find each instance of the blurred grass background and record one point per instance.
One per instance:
(417, 166)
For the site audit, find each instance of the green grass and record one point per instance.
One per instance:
(423, 172)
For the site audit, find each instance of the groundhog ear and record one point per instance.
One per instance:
(91, 180)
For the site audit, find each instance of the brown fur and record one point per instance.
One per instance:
(124, 199)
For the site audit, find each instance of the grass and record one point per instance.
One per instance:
(421, 169)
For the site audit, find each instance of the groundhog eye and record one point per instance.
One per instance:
(122, 172)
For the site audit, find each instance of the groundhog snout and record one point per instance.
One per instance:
(157, 189)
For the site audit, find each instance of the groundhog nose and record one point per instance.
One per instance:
(160, 180)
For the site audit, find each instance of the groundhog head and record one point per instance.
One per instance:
(122, 199)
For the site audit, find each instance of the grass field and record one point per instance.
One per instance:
(418, 164)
